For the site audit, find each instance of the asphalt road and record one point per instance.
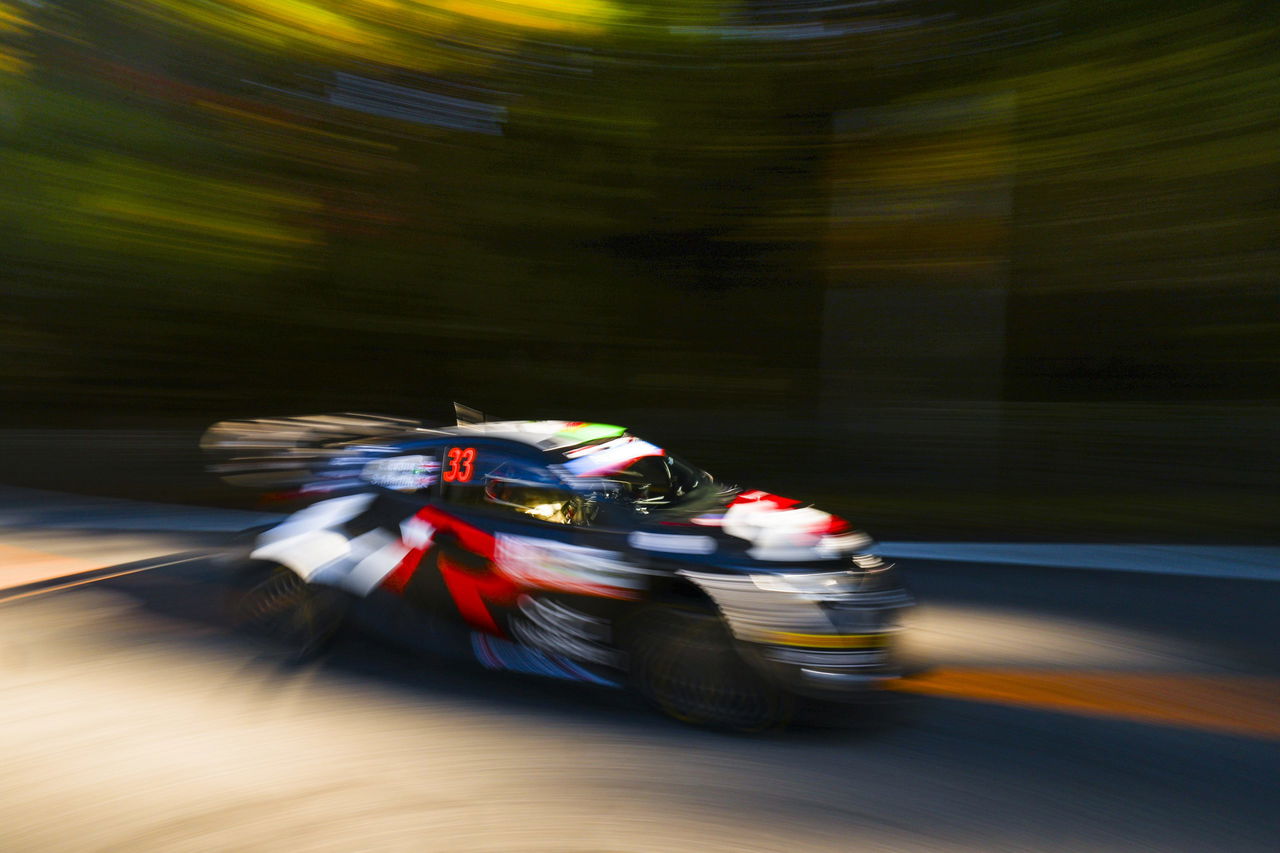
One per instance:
(1068, 711)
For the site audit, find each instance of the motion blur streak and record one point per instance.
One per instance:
(959, 205)
(23, 565)
(1238, 704)
(136, 721)
(961, 271)
(142, 728)
(13, 21)
(83, 577)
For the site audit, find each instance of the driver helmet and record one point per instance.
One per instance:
(543, 501)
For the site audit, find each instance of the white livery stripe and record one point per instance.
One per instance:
(370, 571)
(307, 553)
(320, 515)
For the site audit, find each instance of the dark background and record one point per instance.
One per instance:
(955, 268)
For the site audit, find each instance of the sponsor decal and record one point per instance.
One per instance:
(780, 528)
(559, 566)
(672, 543)
(402, 473)
(460, 464)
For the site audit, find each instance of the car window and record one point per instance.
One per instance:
(497, 481)
(630, 471)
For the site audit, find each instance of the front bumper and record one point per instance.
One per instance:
(825, 673)
(833, 645)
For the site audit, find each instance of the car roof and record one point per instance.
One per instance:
(540, 435)
(544, 435)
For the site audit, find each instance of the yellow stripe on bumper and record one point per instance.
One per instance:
(826, 641)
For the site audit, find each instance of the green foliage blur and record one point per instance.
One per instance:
(572, 207)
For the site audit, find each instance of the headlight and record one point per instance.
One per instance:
(869, 572)
(870, 563)
(819, 584)
(853, 542)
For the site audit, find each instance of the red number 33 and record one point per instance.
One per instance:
(461, 464)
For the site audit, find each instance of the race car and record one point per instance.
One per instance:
(567, 549)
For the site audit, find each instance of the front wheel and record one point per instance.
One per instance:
(292, 619)
(685, 664)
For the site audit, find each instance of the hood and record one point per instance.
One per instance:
(759, 526)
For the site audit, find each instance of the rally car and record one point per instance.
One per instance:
(568, 549)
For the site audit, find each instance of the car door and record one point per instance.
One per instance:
(508, 545)
(453, 537)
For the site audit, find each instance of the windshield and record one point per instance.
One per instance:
(629, 470)
(659, 480)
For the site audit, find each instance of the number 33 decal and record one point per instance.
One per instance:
(461, 464)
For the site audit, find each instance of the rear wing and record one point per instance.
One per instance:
(295, 452)
(467, 415)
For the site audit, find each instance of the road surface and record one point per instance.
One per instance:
(1068, 710)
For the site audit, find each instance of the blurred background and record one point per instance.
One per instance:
(1003, 271)
(950, 267)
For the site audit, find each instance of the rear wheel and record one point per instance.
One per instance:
(292, 619)
(685, 664)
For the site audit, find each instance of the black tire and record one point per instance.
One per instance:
(292, 620)
(684, 663)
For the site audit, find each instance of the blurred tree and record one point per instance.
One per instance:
(216, 207)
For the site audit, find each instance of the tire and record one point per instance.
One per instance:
(292, 620)
(684, 663)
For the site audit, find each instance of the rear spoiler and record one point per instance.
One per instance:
(305, 451)
(289, 452)
(467, 415)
